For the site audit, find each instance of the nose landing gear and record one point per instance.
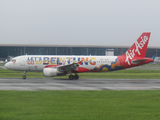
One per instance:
(24, 75)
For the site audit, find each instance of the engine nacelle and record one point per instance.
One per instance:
(52, 72)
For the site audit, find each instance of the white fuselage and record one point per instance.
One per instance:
(38, 62)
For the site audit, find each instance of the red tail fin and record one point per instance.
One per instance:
(138, 49)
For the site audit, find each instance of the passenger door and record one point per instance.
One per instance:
(22, 61)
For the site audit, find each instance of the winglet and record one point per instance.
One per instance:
(153, 57)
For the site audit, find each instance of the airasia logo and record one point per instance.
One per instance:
(131, 53)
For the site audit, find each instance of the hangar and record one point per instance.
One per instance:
(7, 50)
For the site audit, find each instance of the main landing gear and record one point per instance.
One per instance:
(24, 75)
(71, 77)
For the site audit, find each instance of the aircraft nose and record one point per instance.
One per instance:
(6, 65)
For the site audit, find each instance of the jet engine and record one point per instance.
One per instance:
(52, 72)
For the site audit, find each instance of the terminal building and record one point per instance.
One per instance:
(7, 50)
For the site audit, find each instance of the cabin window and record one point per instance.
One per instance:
(13, 60)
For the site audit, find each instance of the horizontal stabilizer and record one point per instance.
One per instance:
(137, 61)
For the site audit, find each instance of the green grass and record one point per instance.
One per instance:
(123, 74)
(80, 105)
(2, 64)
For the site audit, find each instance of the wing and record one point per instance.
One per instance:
(63, 68)
(68, 67)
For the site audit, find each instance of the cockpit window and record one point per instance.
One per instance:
(14, 60)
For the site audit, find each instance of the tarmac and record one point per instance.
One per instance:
(34, 84)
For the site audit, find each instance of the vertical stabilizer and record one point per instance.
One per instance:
(138, 49)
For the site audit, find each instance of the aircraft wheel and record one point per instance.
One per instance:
(24, 77)
(71, 77)
(76, 77)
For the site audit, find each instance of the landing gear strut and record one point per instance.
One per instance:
(71, 77)
(24, 75)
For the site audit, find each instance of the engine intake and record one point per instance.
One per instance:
(52, 72)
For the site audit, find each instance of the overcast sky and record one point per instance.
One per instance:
(79, 22)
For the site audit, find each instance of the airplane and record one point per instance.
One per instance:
(58, 65)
